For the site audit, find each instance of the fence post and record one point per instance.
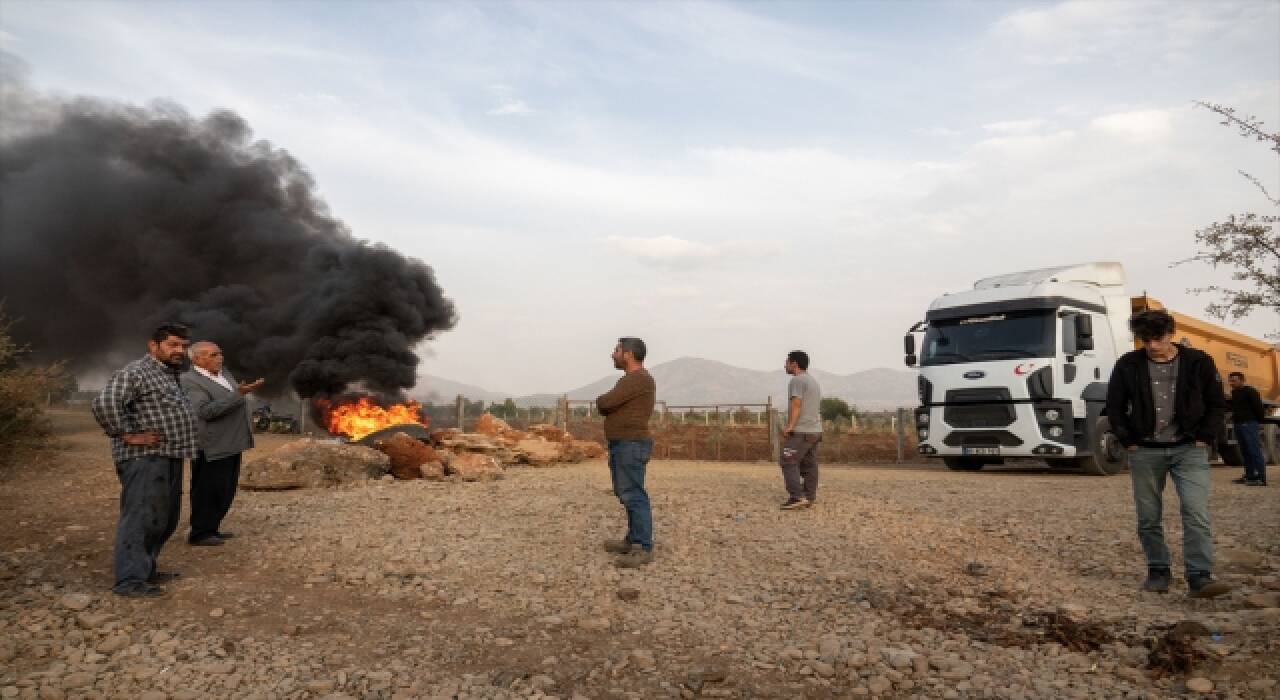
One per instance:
(562, 411)
(901, 425)
(774, 447)
(460, 405)
(302, 415)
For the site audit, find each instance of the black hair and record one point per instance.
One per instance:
(800, 357)
(165, 330)
(635, 346)
(1236, 374)
(1153, 324)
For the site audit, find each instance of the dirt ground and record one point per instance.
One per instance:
(902, 582)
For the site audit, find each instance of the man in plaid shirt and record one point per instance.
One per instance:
(152, 428)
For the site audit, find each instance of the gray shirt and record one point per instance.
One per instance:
(806, 387)
(1164, 385)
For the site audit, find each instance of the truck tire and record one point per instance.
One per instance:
(1109, 456)
(1271, 443)
(963, 464)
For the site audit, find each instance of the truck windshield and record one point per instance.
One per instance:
(993, 337)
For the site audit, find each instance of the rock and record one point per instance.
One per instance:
(77, 680)
(309, 463)
(432, 471)
(1074, 612)
(822, 669)
(1240, 561)
(75, 601)
(975, 568)
(899, 658)
(539, 452)
(48, 692)
(407, 455)
(113, 644)
(470, 466)
(594, 624)
(321, 687)
(1200, 685)
(628, 594)
(879, 685)
(217, 612)
(92, 621)
(643, 659)
(1262, 684)
(1263, 600)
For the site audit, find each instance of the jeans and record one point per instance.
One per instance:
(799, 462)
(1249, 436)
(150, 503)
(627, 462)
(1188, 465)
(213, 488)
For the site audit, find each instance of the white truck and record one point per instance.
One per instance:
(1017, 367)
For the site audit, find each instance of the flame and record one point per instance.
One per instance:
(358, 419)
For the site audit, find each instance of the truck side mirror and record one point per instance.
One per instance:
(909, 344)
(911, 360)
(1084, 332)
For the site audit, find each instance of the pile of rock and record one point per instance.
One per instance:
(539, 446)
(309, 463)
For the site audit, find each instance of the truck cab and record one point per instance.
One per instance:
(1017, 367)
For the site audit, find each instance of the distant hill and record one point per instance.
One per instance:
(694, 381)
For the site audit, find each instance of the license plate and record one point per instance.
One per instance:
(994, 451)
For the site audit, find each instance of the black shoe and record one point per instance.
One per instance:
(1241, 480)
(209, 541)
(1158, 581)
(164, 577)
(1255, 482)
(139, 590)
(1206, 586)
(226, 535)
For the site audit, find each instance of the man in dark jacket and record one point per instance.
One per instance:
(1247, 413)
(1166, 406)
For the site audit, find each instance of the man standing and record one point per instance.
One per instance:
(152, 429)
(1166, 404)
(1246, 418)
(225, 432)
(627, 408)
(799, 456)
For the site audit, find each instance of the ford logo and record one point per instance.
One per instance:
(975, 374)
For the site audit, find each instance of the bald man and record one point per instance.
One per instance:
(225, 431)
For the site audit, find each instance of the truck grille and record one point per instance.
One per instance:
(978, 408)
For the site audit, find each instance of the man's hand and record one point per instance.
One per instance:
(788, 432)
(248, 387)
(148, 439)
(1202, 444)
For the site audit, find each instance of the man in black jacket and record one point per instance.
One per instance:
(1166, 406)
(1246, 415)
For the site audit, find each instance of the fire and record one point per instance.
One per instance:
(358, 419)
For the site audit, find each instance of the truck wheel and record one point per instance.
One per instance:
(1271, 443)
(1109, 456)
(963, 464)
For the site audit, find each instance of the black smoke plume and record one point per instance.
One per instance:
(115, 217)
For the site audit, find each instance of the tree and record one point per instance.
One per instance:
(505, 410)
(832, 408)
(1248, 244)
(24, 391)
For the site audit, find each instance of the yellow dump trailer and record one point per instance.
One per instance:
(1258, 360)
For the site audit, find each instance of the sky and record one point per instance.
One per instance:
(725, 180)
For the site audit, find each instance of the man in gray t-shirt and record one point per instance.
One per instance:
(803, 432)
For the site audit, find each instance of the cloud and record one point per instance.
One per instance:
(1142, 126)
(678, 292)
(510, 108)
(1019, 126)
(670, 251)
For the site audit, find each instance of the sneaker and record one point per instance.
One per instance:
(1241, 480)
(795, 504)
(210, 541)
(634, 559)
(225, 535)
(139, 590)
(617, 546)
(1255, 482)
(1158, 581)
(164, 577)
(1206, 586)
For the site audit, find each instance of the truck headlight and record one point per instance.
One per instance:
(1053, 414)
(923, 433)
(1055, 431)
(922, 418)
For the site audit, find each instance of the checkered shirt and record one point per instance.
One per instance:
(142, 397)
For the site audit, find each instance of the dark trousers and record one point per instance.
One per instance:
(213, 488)
(627, 462)
(150, 505)
(799, 461)
(1250, 438)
